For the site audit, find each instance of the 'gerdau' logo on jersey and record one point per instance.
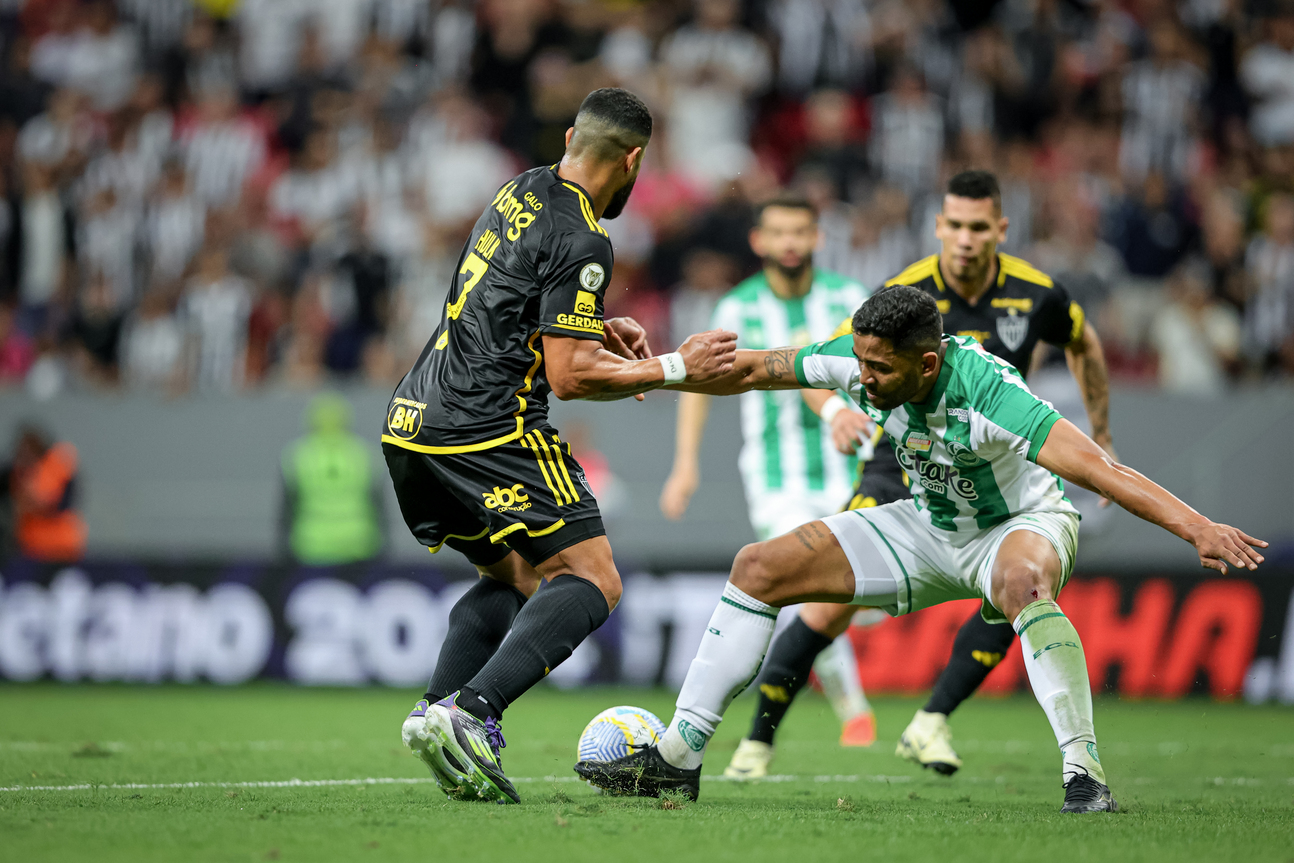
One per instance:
(937, 478)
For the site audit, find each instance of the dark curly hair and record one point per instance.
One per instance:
(904, 316)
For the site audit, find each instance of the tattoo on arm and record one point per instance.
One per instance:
(780, 363)
(1087, 363)
(1096, 384)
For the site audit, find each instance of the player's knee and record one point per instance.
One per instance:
(753, 574)
(606, 580)
(612, 589)
(1017, 585)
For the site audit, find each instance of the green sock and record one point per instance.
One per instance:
(1053, 656)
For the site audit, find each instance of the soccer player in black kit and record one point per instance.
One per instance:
(1009, 307)
(477, 467)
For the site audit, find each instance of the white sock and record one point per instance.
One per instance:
(837, 670)
(1057, 668)
(730, 655)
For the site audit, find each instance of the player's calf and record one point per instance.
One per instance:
(1027, 574)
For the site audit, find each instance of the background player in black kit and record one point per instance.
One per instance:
(1009, 307)
(476, 465)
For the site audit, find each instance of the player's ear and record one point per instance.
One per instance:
(1002, 224)
(756, 241)
(632, 158)
(570, 133)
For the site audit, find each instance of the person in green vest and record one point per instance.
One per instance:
(332, 506)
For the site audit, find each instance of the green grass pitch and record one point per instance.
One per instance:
(1197, 781)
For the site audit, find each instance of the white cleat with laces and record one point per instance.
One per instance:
(928, 741)
(750, 761)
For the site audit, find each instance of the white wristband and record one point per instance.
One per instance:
(672, 364)
(831, 407)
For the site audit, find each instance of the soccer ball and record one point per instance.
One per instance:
(618, 731)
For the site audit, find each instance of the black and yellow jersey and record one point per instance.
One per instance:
(1024, 306)
(536, 262)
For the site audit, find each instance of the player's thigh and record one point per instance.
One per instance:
(805, 565)
(899, 565)
(435, 516)
(1026, 568)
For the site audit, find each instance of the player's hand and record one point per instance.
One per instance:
(1220, 545)
(849, 428)
(631, 334)
(678, 491)
(709, 355)
(613, 342)
(1108, 446)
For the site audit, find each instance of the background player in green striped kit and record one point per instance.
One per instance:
(791, 471)
(988, 520)
(1009, 307)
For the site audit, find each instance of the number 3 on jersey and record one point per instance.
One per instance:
(474, 268)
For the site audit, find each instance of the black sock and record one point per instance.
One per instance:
(786, 670)
(977, 650)
(547, 630)
(477, 624)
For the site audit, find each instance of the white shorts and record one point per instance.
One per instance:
(775, 513)
(900, 565)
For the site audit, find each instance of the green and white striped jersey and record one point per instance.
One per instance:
(785, 447)
(970, 448)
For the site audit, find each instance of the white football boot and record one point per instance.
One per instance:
(750, 761)
(421, 740)
(928, 741)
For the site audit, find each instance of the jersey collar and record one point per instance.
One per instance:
(999, 282)
(574, 185)
(813, 283)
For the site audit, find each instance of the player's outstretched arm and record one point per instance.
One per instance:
(751, 370)
(1075, 457)
(585, 369)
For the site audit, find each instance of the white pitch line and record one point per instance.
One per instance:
(284, 783)
(404, 780)
(385, 780)
(1167, 748)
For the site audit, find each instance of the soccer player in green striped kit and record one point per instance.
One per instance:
(988, 520)
(791, 471)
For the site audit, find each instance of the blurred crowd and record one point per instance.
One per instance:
(216, 195)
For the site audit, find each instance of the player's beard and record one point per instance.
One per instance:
(617, 203)
(793, 273)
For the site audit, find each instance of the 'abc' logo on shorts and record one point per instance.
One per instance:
(585, 303)
(505, 498)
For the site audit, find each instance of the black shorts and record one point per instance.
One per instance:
(528, 496)
(881, 480)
